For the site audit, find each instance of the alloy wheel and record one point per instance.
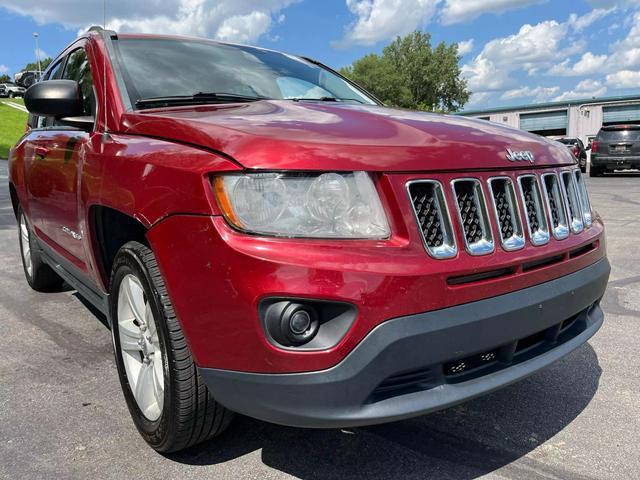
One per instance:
(140, 347)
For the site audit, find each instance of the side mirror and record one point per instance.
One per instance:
(60, 99)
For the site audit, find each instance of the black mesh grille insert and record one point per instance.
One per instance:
(550, 182)
(529, 195)
(501, 199)
(468, 208)
(423, 198)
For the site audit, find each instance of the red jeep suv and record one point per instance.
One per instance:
(265, 237)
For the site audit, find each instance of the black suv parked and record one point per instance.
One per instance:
(616, 147)
(578, 149)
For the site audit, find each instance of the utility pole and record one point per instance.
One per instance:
(36, 35)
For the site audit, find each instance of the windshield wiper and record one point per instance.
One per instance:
(326, 99)
(195, 99)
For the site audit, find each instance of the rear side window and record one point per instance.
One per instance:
(78, 69)
(631, 135)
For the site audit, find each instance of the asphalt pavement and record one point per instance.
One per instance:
(62, 414)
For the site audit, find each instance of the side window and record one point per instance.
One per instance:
(54, 73)
(78, 69)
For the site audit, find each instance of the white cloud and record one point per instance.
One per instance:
(378, 20)
(624, 79)
(613, 3)
(4, 69)
(478, 99)
(533, 47)
(580, 23)
(587, 65)
(457, 11)
(465, 47)
(231, 20)
(585, 89)
(540, 94)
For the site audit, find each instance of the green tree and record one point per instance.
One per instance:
(44, 63)
(412, 74)
(4, 78)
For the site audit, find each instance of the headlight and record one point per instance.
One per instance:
(328, 205)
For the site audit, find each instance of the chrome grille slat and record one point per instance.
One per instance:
(431, 213)
(555, 205)
(472, 213)
(507, 213)
(585, 204)
(572, 201)
(534, 209)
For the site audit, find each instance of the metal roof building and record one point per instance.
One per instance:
(575, 118)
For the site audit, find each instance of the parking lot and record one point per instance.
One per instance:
(62, 414)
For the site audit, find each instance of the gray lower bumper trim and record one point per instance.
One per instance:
(341, 396)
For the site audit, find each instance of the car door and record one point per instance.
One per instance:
(52, 173)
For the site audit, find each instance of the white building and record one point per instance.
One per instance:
(575, 118)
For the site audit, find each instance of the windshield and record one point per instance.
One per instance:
(175, 67)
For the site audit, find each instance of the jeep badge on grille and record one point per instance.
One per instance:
(522, 156)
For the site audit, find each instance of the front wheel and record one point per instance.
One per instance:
(168, 401)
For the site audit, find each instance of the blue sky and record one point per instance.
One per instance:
(515, 51)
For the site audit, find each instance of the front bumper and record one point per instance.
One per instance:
(613, 163)
(420, 363)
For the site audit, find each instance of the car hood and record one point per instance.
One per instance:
(306, 135)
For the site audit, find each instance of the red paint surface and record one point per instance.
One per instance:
(155, 166)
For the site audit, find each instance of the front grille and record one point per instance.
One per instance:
(430, 209)
(507, 214)
(570, 193)
(555, 205)
(534, 209)
(552, 203)
(472, 213)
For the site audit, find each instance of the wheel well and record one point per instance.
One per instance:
(15, 201)
(112, 229)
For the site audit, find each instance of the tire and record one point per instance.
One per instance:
(11, 95)
(40, 276)
(182, 412)
(595, 171)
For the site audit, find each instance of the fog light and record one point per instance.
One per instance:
(292, 324)
(300, 322)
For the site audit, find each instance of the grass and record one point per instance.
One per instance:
(12, 124)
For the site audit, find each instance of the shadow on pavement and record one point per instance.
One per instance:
(463, 442)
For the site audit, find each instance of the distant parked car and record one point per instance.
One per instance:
(616, 147)
(27, 78)
(10, 90)
(578, 149)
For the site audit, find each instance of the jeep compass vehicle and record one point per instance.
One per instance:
(266, 238)
(616, 147)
